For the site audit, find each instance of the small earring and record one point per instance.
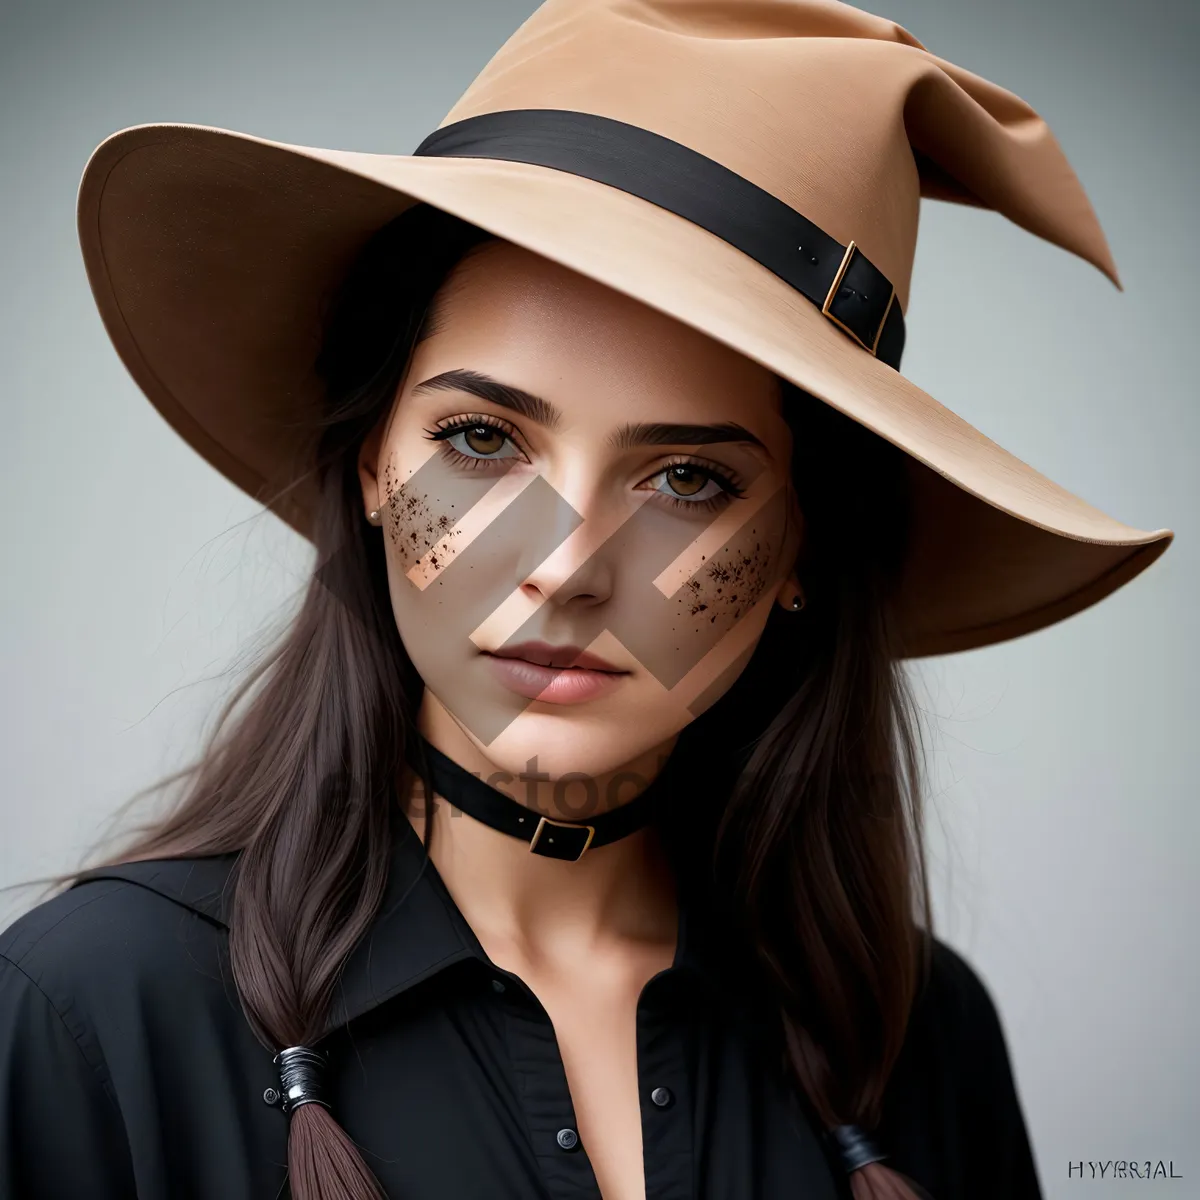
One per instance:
(373, 516)
(798, 601)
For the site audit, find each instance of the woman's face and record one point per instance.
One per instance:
(564, 465)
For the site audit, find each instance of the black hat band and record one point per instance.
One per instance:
(840, 280)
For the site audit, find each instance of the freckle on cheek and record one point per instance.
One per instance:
(415, 521)
(730, 583)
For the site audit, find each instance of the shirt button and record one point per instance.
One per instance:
(567, 1139)
(661, 1096)
(497, 985)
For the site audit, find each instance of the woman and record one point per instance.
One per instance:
(568, 844)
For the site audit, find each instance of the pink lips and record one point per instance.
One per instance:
(554, 674)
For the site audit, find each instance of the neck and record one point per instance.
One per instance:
(618, 892)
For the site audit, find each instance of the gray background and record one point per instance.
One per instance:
(1062, 823)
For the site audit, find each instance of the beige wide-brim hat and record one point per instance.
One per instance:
(753, 170)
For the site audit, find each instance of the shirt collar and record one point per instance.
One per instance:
(417, 932)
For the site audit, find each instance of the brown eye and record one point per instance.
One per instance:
(472, 442)
(479, 442)
(692, 488)
(484, 439)
(686, 481)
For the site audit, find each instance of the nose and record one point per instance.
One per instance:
(578, 518)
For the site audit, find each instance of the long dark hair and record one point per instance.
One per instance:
(810, 830)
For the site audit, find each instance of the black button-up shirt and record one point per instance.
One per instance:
(127, 1067)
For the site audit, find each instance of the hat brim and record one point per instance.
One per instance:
(211, 252)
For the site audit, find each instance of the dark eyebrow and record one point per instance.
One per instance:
(525, 404)
(542, 412)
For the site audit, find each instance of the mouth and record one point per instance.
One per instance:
(553, 674)
(543, 654)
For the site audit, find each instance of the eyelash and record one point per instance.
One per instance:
(730, 489)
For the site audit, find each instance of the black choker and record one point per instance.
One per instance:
(545, 836)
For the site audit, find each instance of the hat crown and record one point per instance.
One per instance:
(843, 115)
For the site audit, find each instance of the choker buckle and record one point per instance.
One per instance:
(560, 846)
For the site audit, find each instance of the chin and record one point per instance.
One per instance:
(573, 741)
(562, 740)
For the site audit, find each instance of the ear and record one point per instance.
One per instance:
(790, 588)
(788, 592)
(368, 470)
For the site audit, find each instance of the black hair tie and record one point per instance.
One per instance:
(855, 1148)
(301, 1077)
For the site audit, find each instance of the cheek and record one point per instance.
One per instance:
(733, 581)
(421, 513)
(422, 510)
(727, 594)
(744, 573)
(434, 576)
(454, 553)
